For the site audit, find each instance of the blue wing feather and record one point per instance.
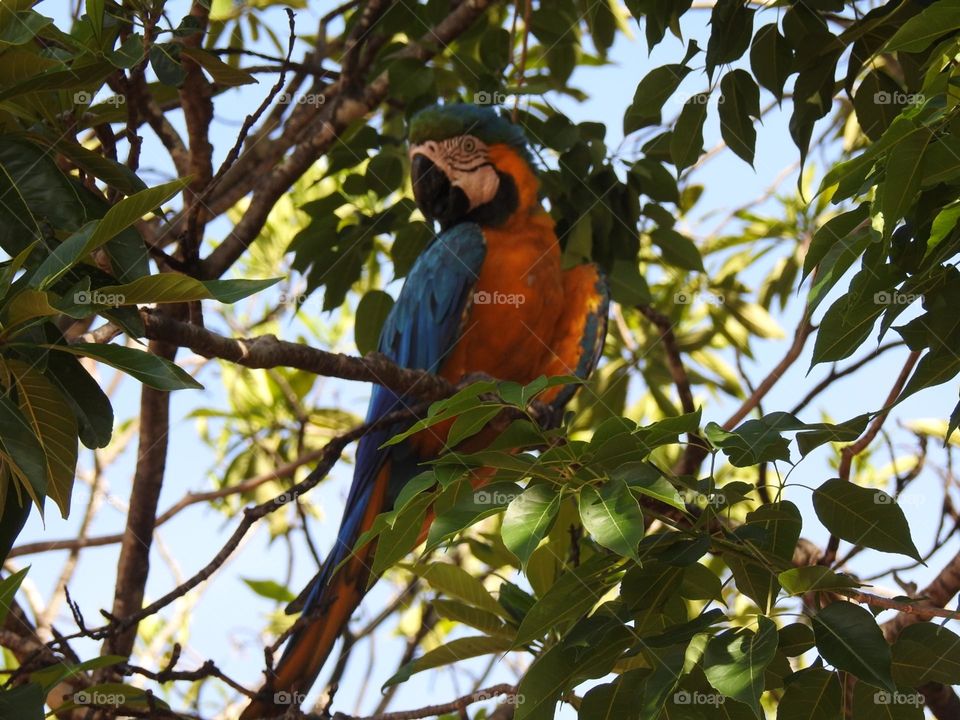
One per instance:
(422, 327)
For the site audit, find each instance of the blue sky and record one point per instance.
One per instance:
(225, 624)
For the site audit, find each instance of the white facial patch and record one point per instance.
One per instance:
(465, 161)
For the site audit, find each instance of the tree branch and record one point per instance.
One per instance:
(266, 351)
(457, 706)
(133, 565)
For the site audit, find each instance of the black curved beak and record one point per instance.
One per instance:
(435, 196)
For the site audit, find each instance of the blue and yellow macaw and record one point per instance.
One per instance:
(488, 296)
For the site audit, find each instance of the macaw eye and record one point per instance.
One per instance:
(469, 145)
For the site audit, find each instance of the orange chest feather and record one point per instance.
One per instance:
(508, 329)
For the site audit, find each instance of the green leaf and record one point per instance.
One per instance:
(800, 580)
(700, 583)
(24, 702)
(54, 425)
(400, 536)
(877, 102)
(468, 507)
(753, 441)
(22, 448)
(129, 53)
(832, 232)
(872, 704)
(811, 694)
(589, 651)
(372, 311)
(935, 368)
(110, 171)
(76, 77)
(863, 517)
(678, 250)
(836, 262)
(849, 638)
(22, 26)
(15, 510)
(903, 176)
(97, 233)
(735, 660)
(644, 478)
(270, 589)
(795, 639)
(739, 102)
(462, 401)
(770, 533)
(570, 597)
(731, 23)
(410, 79)
(686, 144)
(8, 589)
(528, 519)
(771, 59)
(50, 677)
(89, 403)
(941, 163)
(925, 653)
(920, 31)
(453, 651)
(457, 582)
(613, 517)
(26, 305)
(821, 433)
(470, 423)
(474, 617)
(650, 591)
(221, 72)
(165, 61)
(152, 370)
(651, 93)
(616, 700)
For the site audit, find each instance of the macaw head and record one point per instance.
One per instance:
(470, 164)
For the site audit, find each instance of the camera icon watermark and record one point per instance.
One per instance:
(284, 697)
(484, 297)
(689, 298)
(485, 497)
(683, 697)
(882, 498)
(883, 697)
(691, 497)
(504, 698)
(490, 98)
(313, 99)
(884, 97)
(95, 297)
(102, 699)
(893, 298)
(82, 97)
(284, 498)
